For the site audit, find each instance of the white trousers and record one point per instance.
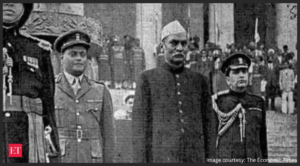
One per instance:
(287, 103)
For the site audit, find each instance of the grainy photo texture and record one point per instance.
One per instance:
(149, 82)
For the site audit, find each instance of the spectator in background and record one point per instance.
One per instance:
(218, 78)
(104, 63)
(139, 63)
(193, 54)
(287, 86)
(117, 54)
(125, 114)
(257, 76)
(160, 59)
(295, 95)
(285, 51)
(204, 64)
(278, 65)
(272, 81)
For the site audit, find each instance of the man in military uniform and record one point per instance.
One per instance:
(242, 133)
(172, 117)
(28, 94)
(83, 107)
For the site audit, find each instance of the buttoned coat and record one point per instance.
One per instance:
(172, 118)
(32, 77)
(286, 80)
(85, 122)
(254, 144)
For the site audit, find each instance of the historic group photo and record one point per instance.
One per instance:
(149, 82)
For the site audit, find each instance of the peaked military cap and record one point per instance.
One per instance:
(236, 61)
(72, 38)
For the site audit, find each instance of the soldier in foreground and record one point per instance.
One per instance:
(83, 107)
(242, 134)
(28, 94)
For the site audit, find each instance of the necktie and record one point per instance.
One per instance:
(76, 85)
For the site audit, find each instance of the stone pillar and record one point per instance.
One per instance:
(197, 21)
(221, 23)
(148, 29)
(286, 21)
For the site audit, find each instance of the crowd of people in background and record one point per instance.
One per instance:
(122, 60)
(273, 71)
(119, 62)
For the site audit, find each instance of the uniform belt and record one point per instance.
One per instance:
(79, 133)
(24, 103)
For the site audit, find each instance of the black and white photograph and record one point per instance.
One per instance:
(149, 82)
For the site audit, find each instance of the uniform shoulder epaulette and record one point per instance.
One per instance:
(98, 82)
(58, 77)
(216, 95)
(255, 95)
(41, 43)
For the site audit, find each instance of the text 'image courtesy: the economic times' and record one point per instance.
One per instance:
(149, 82)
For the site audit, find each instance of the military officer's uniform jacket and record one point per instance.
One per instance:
(239, 139)
(33, 93)
(85, 121)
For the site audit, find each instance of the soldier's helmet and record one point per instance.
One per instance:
(235, 61)
(72, 38)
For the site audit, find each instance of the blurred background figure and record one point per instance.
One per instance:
(287, 86)
(193, 53)
(118, 57)
(125, 114)
(139, 63)
(105, 62)
(272, 81)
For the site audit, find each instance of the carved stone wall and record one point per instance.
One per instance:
(54, 19)
(67, 8)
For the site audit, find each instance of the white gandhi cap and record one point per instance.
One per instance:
(173, 27)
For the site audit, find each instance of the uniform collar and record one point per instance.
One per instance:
(10, 33)
(71, 78)
(237, 94)
(172, 69)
